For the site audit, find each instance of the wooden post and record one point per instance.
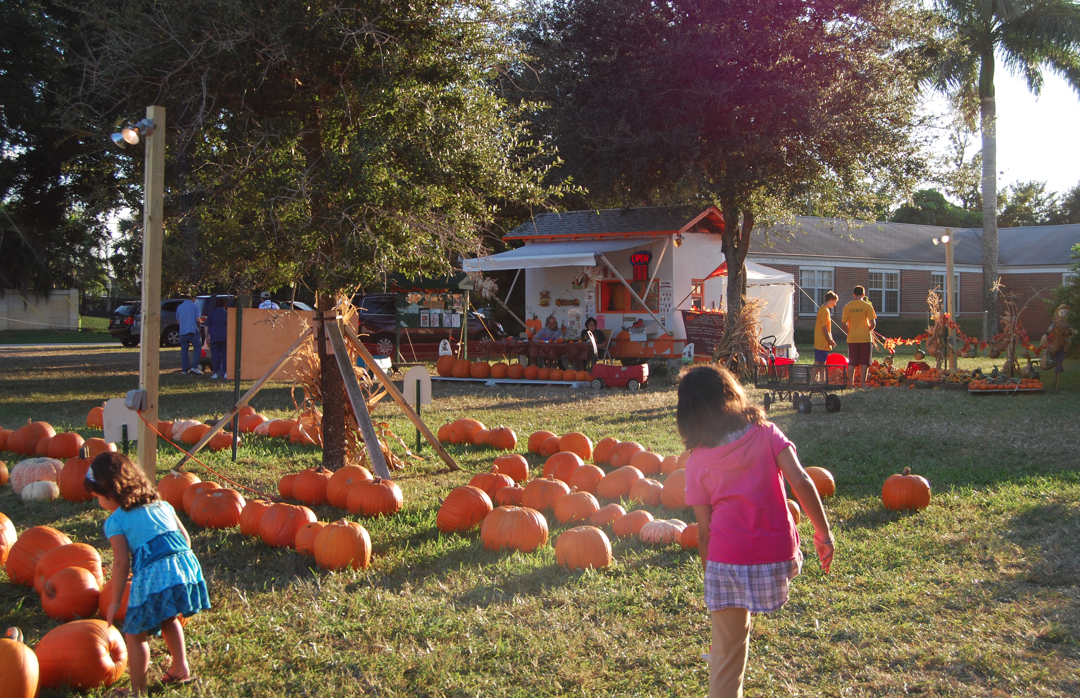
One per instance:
(240, 301)
(247, 396)
(149, 354)
(949, 305)
(392, 390)
(352, 389)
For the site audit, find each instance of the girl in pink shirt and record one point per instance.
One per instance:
(747, 539)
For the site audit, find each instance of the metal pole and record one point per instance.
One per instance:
(238, 334)
(419, 442)
(149, 354)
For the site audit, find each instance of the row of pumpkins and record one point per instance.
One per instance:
(451, 367)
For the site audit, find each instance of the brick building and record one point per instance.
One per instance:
(899, 264)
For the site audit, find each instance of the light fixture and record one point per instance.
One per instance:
(943, 240)
(131, 134)
(678, 241)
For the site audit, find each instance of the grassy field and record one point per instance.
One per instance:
(92, 329)
(975, 596)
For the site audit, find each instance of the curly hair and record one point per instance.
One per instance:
(712, 405)
(117, 477)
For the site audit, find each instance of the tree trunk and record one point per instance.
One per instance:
(988, 127)
(333, 394)
(735, 244)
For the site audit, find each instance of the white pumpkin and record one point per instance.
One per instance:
(264, 428)
(181, 425)
(661, 531)
(34, 470)
(40, 491)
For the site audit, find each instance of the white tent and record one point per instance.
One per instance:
(776, 289)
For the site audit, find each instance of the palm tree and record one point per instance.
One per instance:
(1028, 36)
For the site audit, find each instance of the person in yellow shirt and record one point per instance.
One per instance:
(823, 339)
(859, 321)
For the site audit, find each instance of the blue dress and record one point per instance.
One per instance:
(166, 577)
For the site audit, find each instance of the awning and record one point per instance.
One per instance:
(756, 274)
(554, 254)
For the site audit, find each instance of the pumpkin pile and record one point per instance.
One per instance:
(452, 367)
(473, 431)
(882, 375)
(1006, 384)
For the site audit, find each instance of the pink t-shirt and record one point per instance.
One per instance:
(743, 484)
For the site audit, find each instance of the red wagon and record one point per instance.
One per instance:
(632, 377)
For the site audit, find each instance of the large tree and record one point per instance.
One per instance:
(328, 141)
(758, 106)
(1028, 37)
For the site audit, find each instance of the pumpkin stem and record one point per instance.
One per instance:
(14, 634)
(907, 471)
(84, 452)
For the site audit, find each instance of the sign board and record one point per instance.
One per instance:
(705, 330)
(116, 416)
(417, 375)
(267, 334)
(434, 309)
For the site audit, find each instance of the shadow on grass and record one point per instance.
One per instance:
(1050, 535)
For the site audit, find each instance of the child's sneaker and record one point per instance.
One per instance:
(197, 371)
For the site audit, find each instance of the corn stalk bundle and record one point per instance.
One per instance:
(308, 372)
(937, 343)
(740, 347)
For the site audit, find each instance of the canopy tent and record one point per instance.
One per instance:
(775, 289)
(554, 254)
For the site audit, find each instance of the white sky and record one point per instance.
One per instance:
(1038, 137)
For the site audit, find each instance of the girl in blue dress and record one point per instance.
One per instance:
(147, 539)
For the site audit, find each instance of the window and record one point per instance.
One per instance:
(614, 298)
(697, 294)
(937, 285)
(884, 292)
(816, 283)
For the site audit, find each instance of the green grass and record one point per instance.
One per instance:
(975, 596)
(92, 329)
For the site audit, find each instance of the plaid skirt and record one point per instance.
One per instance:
(757, 588)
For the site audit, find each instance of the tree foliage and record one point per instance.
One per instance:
(929, 207)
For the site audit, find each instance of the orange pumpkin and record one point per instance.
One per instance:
(64, 446)
(905, 491)
(305, 537)
(375, 498)
(337, 489)
(463, 509)
(285, 485)
(584, 547)
(43, 447)
(193, 434)
(586, 478)
(576, 442)
(218, 508)
(541, 493)
(18, 666)
(555, 374)
(280, 427)
(69, 594)
(647, 462)
(467, 431)
(172, 486)
(674, 494)
(531, 373)
(4, 434)
(3, 473)
(583, 376)
(550, 447)
(97, 446)
(606, 515)
(631, 523)
(106, 599)
(669, 465)
(688, 538)
(280, 522)
(480, 369)
(646, 491)
(515, 371)
(250, 423)
(513, 465)
(514, 528)
(343, 544)
(623, 452)
(8, 536)
(72, 478)
(491, 482)
(446, 433)
(27, 437)
(575, 507)
(310, 486)
(30, 547)
(64, 556)
(543, 374)
(194, 491)
(83, 654)
(561, 466)
(502, 439)
(222, 440)
(537, 439)
(602, 452)
(793, 509)
(617, 483)
(499, 370)
(445, 366)
(508, 496)
(823, 481)
(251, 516)
(462, 368)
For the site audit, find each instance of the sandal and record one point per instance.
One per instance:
(170, 680)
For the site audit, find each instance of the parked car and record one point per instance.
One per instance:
(170, 329)
(378, 317)
(122, 322)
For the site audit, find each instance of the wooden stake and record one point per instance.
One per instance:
(247, 396)
(399, 398)
(356, 398)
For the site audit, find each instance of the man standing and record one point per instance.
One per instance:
(187, 317)
(859, 320)
(267, 304)
(823, 339)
